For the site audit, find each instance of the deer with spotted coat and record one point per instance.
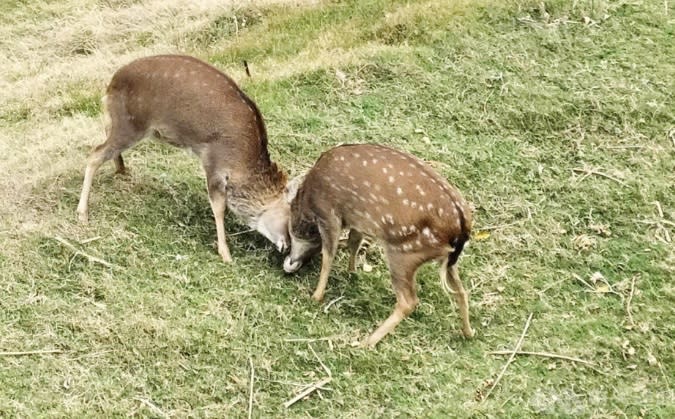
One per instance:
(389, 195)
(188, 103)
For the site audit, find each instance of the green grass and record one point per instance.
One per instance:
(509, 103)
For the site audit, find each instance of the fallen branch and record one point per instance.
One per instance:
(250, 391)
(91, 258)
(26, 353)
(543, 354)
(589, 172)
(513, 355)
(307, 391)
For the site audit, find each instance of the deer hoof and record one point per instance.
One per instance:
(468, 333)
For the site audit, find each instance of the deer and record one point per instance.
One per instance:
(185, 102)
(392, 196)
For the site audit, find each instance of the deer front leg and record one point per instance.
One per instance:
(329, 243)
(218, 199)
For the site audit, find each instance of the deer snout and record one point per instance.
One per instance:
(291, 266)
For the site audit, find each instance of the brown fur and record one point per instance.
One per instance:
(392, 196)
(188, 103)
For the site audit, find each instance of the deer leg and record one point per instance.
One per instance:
(120, 168)
(100, 155)
(329, 231)
(218, 200)
(353, 244)
(462, 300)
(403, 282)
(120, 136)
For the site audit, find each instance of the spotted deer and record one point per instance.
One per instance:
(392, 196)
(188, 103)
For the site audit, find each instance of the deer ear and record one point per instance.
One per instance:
(292, 187)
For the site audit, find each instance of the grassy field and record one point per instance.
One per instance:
(556, 119)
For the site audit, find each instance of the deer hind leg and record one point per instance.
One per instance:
(402, 268)
(218, 200)
(353, 244)
(461, 297)
(121, 134)
(330, 231)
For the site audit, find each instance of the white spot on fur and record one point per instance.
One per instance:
(426, 232)
(374, 161)
(365, 163)
(399, 191)
(430, 206)
(420, 190)
(384, 170)
(366, 184)
(391, 179)
(406, 247)
(413, 204)
(440, 211)
(406, 202)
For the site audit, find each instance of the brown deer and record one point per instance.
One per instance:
(188, 103)
(392, 196)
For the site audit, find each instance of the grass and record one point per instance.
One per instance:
(556, 123)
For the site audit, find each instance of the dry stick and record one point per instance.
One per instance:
(91, 258)
(308, 390)
(152, 406)
(85, 241)
(543, 354)
(513, 355)
(310, 339)
(250, 395)
(325, 309)
(628, 301)
(499, 226)
(595, 172)
(325, 368)
(25, 353)
(240, 232)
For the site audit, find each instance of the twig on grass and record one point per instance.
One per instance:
(91, 258)
(250, 391)
(26, 353)
(89, 240)
(325, 368)
(588, 172)
(311, 339)
(325, 309)
(629, 300)
(307, 391)
(239, 233)
(545, 355)
(513, 355)
(499, 226)
(153, 407)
